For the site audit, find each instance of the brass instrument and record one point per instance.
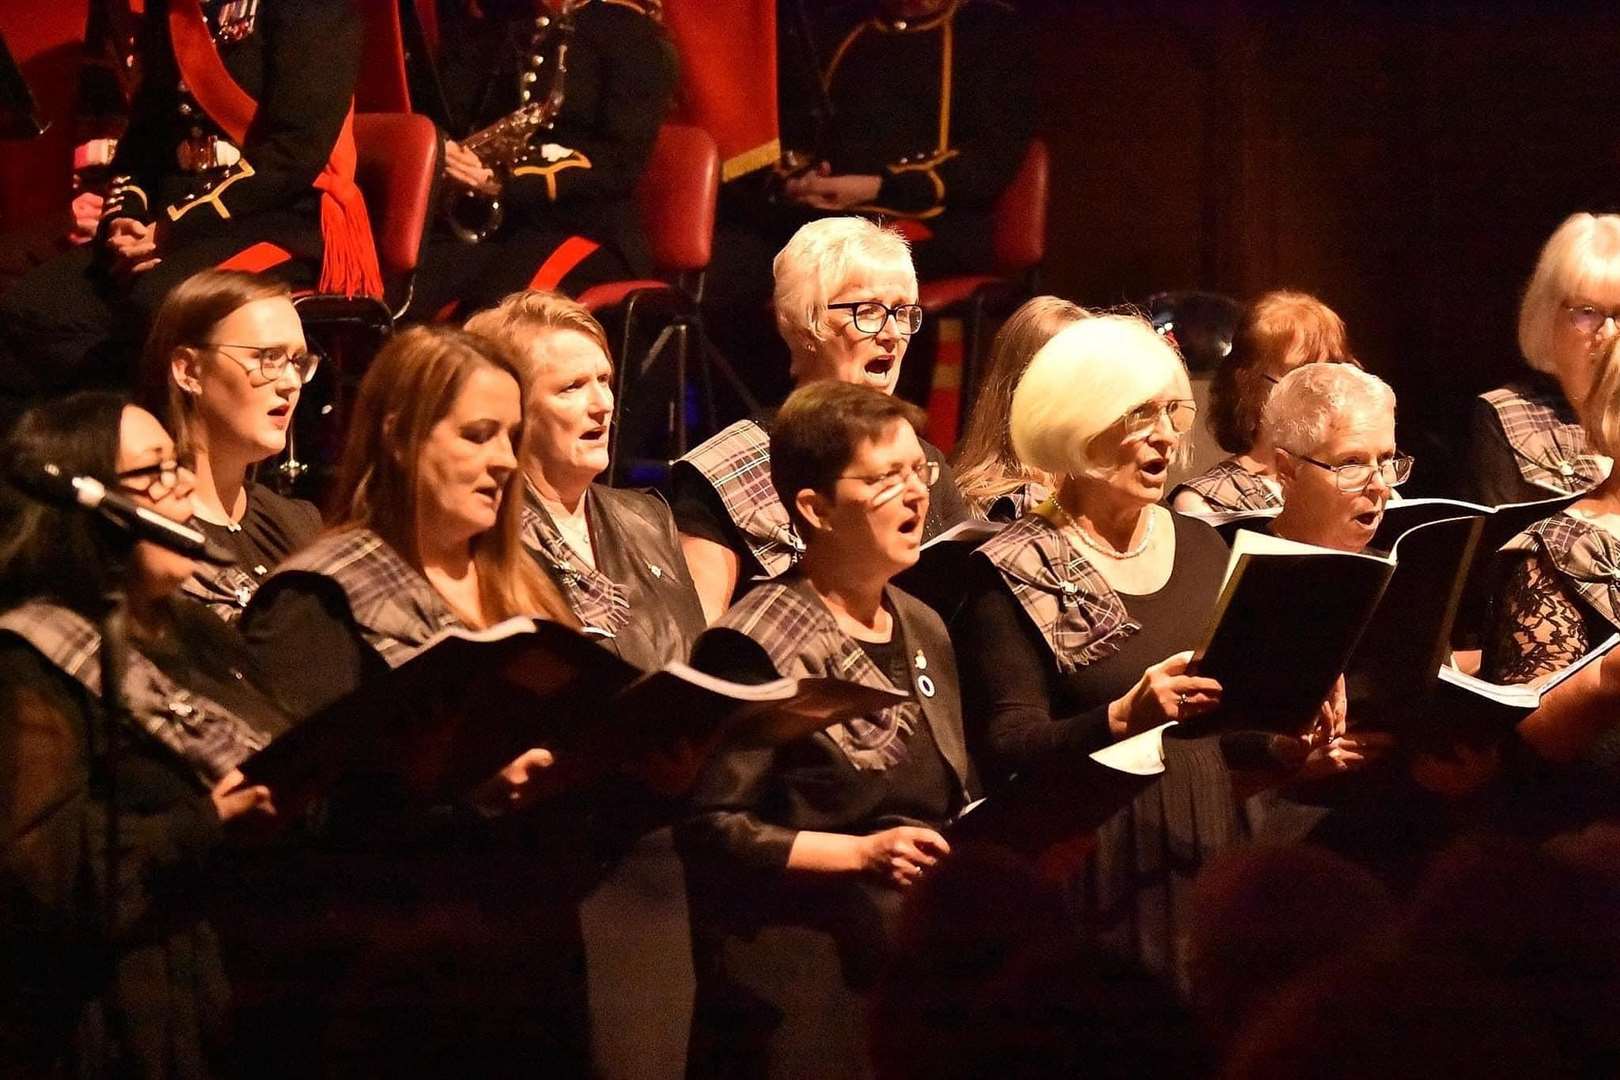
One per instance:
(474, 216)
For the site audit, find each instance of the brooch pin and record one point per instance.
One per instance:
(657, 572)
(925, 685)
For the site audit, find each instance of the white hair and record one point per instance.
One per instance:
(1081, 382)
(822, 256)
(1581, 258)
(1301, 411)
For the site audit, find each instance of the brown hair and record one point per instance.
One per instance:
(412, 385)
(987, 466)
(814, 434)
(1278, 329)
(192, 309)
(522, 317)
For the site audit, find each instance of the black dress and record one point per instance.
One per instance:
(1133, 890)
(272, 527)
(147, 996)
(786, 961)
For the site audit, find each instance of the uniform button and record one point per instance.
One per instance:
(185, 108)
(1565, 469)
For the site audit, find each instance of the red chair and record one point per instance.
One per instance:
(397, 171)
(1018, 233)
(676, 201)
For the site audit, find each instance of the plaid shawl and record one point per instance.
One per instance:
(1586, 556)
(801, 637)
(737, 464)
(396, 608)
(1078, 614)
(204, 734)
(1548, 442)
(596, 601)
(1009, 506)
(224, 590)
(1228, 486)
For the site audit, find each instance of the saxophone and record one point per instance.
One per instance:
(474, 216)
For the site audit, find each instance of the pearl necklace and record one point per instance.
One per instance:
(1102, 548)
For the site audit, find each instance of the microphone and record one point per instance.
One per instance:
(47, 482)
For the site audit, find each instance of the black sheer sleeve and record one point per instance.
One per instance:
(1537, 629)
(1009, 683)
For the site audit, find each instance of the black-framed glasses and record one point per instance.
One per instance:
(870, 315)
(927, 471)
(270, 361)
(1355, 476)
(162, 479)
(1588, 319)
(1181, 412)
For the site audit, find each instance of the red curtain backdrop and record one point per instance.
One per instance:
(728, 76)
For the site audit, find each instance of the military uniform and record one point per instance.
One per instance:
(250, 166)
(569, 218)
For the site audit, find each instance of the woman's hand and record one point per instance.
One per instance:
(463, 167)
(515, 786)
(900, 855)
(234, 802)
(1165, 692)
(1344, 753)
(86, 217)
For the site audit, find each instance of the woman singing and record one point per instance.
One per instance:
(225, 365)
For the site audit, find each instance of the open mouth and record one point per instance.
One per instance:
(1369, 519)
(282, 412)
(492, 492)
(595, 434)
(878, 369)
(1155, 470)
(911, 528)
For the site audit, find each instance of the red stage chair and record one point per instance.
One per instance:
(1019, 237)
(676, 200)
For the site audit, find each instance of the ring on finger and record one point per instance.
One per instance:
(1181, 700)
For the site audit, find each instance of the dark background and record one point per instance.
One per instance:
(1403, 163)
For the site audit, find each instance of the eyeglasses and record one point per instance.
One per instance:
(925, 470)
(163, 479)
(870, 315)
(270, 361)
(1181, 412)
(1357, 475)
(1588, 319)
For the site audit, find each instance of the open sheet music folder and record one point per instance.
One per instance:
(470, 701)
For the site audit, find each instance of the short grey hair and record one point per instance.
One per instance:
(1302, 408)
(1080, 383)
(822, 256)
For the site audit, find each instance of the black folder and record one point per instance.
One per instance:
(469, 702)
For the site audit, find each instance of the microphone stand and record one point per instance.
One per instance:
(106, 744)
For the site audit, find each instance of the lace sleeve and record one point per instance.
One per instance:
(1538, 627)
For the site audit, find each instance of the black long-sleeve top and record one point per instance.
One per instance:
(300, 64)
(1022, 707)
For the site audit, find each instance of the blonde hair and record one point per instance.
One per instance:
(412, 384)
(820, 258)
(523, 317)
(1582, 257)
(1304, 405)
(986, 465)
(185, 320)
(1281, 329)
(1600, 409)
(1081, 382)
